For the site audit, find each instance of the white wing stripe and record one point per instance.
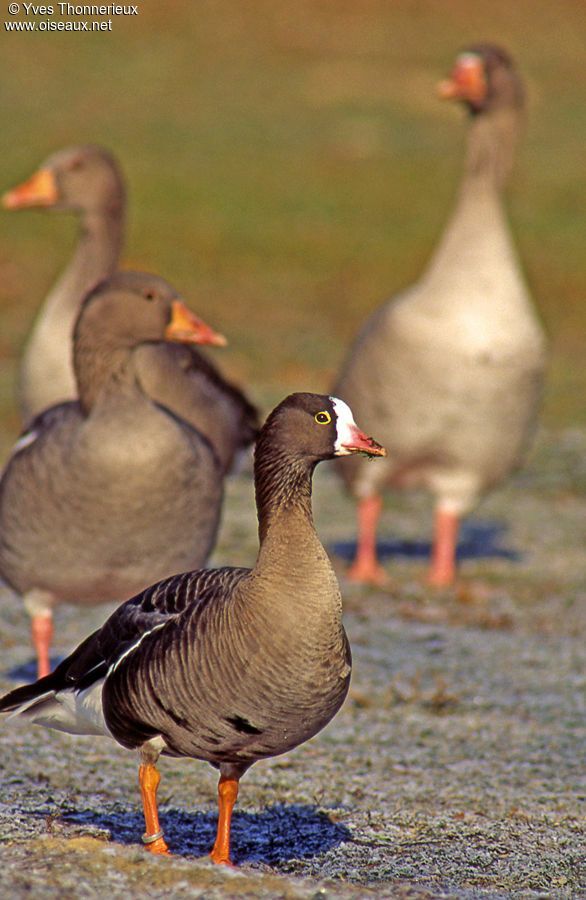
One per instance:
(133, 647)
(28, 438)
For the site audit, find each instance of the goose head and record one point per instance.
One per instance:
(84, 178)
(483, 78)
(135, 307)
(315, 427)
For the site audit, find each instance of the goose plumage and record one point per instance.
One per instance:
(86, 180)
(228, 665)
(104, 495)
(451, 369)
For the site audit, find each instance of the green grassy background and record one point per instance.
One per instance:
(289, 167)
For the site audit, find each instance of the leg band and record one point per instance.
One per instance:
(151, 838)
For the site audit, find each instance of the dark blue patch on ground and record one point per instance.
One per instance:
(279, 833)
(477, 540)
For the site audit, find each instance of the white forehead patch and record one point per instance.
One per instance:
(345, 425)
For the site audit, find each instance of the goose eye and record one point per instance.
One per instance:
(149, 295)
(323, 418)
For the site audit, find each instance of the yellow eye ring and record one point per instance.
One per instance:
(323, 418)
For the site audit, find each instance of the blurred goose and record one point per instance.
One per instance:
(104, 495)
(227, 665)
(182, 379)
(451, 369)
(86, 179)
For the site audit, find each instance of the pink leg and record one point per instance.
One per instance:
(366, 568)
(442, 570)
(42, 632)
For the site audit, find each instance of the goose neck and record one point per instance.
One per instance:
(95, 258)
(100, 360)
(101, 240)
(491, 145)
(283, 492)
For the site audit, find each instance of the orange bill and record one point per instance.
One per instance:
(189, 329)
(39, 190)
(467, 81)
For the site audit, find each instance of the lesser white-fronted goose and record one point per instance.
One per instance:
(86, 179)
(227, 665)
(451, 369)
(107, 494)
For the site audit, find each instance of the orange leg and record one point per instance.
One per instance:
(227, 793)
(42, 632)
(148, 779)
(443, 557)
(366, 568)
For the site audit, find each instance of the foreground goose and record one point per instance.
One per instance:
(103, 496)
(86, 179)
(227, 665)
(451, 369)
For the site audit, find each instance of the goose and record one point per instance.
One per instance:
(86, 179)
(451, 369)
(103, 495)
(228, 665)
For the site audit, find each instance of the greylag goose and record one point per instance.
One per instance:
(86, 179)
(451, 368)
(104, 495)
(182, 379)
(228, 665)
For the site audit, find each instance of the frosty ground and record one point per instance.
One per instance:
(456, 768)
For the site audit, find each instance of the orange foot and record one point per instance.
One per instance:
(159, 847)
(362, 572)
(440, 579)
(221, 860)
